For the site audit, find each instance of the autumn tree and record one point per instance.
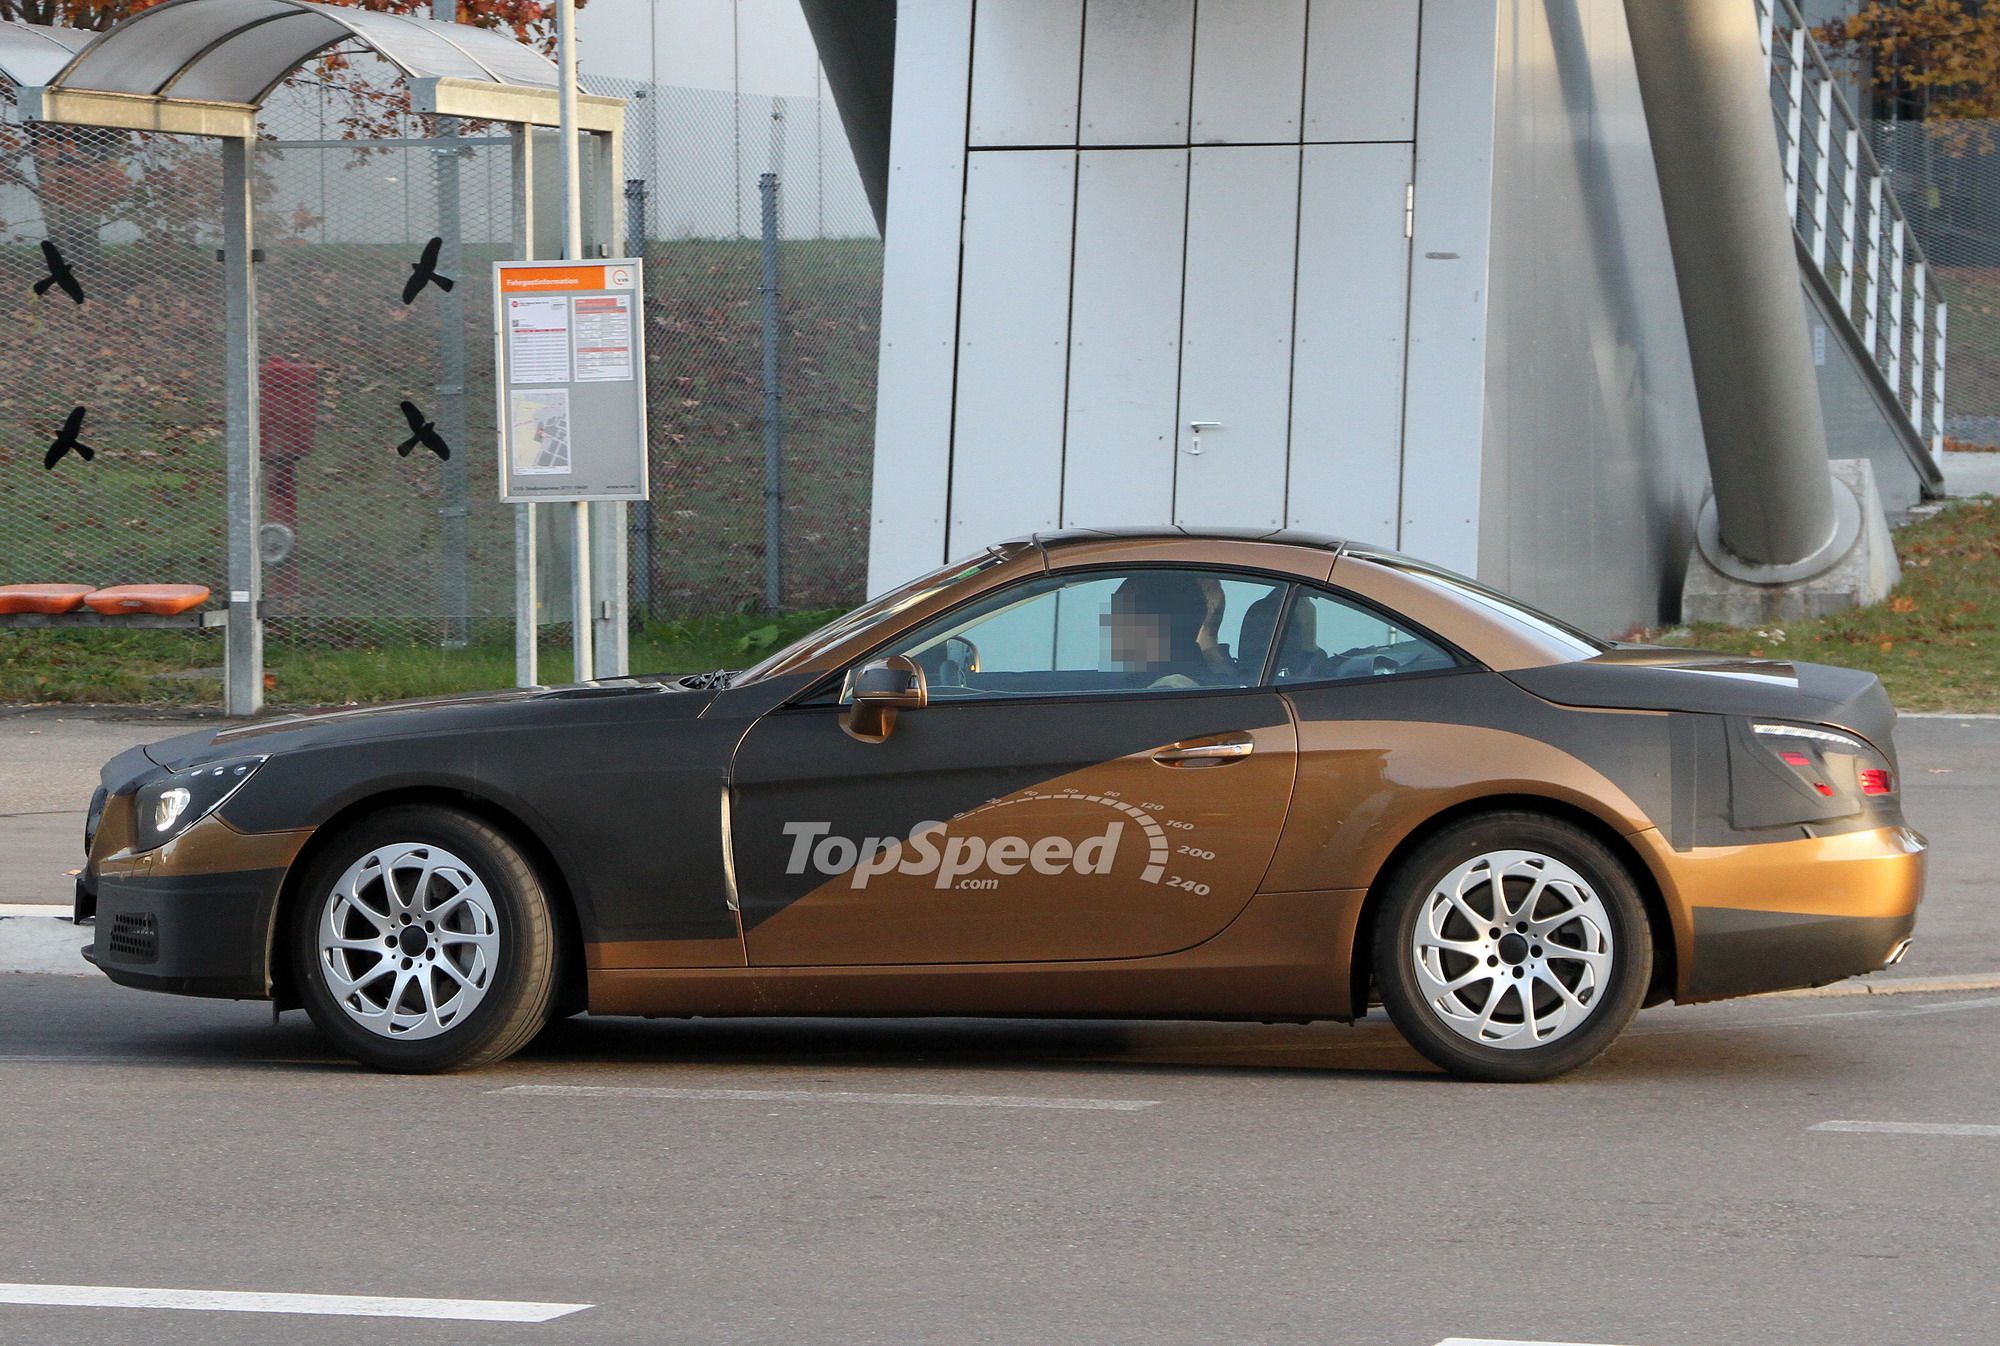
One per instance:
(1922, 59)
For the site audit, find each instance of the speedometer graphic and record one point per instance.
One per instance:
(1159, 847)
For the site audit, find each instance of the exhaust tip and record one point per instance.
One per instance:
(1897, 954)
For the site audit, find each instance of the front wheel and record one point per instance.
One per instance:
(1512, 947)
(423, 941)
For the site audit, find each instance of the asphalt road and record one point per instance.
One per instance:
(892, 1182)
(991, 1181)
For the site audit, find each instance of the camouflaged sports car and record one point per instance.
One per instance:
(1127, 774)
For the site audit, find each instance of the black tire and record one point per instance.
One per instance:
(1610, 999)
(521, 979)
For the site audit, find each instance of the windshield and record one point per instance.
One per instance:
(1579, 642)
(896, 600)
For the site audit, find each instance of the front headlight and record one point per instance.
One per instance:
(171, 804)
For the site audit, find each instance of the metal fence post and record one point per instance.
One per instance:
(642, 510)
(774, 490)
(243, 658)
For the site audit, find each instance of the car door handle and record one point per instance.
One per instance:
(1218, 750)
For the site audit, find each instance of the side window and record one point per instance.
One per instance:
(1101, 631)
(1328, 638)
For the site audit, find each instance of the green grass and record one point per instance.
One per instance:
(171, 668)
(1935, 643)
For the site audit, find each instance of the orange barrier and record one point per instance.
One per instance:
(48, 599)
(161, 600)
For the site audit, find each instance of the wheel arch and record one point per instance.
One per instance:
(1665, 975)
(562, 894)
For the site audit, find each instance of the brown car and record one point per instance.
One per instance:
(1143, 773)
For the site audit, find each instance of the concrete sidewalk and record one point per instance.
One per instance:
(1951, 779)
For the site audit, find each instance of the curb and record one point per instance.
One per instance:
(1969, 981)
(40, 941)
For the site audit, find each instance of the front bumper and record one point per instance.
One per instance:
(1785, 914)
(195, 934)
(196, 916)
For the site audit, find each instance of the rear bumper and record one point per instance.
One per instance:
(196, 934)
(1787, 914)
(1747, 952)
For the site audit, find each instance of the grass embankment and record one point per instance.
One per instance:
(1935, 643)
(170, 668)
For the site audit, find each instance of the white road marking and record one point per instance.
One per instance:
(1509, 1341)
(1912, 1128)
(241, 1301)
(830, 1096)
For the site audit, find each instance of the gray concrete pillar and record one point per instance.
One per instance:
(1705, 82)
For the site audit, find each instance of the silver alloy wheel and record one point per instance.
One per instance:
(409, 940)
(1513, 949)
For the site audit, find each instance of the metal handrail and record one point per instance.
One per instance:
(1882, 280)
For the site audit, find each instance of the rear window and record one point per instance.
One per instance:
(1579, 642)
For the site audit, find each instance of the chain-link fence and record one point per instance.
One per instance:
(135, 220)
(361, 543)
(694, 159)
(1947, 175)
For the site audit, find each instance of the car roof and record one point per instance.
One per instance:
(1283, 537)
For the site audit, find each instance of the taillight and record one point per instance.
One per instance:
(1828, 761)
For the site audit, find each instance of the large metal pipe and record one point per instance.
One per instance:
(1705, 83)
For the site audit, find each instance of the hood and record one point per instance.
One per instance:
(519, 706)
(1647, 677)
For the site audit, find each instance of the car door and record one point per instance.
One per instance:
(1069, 792)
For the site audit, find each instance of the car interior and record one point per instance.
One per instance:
(1157, 630)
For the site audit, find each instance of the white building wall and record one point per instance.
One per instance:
(1594, 460)
(1174, 214)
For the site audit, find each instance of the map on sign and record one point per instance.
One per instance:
(539, 433)
(569, 339)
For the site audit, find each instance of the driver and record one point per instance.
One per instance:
(1156, 619)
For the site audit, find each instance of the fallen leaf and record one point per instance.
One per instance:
(1902, 605)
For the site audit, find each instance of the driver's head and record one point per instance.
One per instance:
(1156, 620)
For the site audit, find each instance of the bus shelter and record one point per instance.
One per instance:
(205, 68)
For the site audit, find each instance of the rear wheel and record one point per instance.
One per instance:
(1512, 947)
(424, 942)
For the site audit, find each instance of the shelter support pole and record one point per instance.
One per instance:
(451, 373)
(243, 657)
(527, 608)
(451, 387)
(611, 562)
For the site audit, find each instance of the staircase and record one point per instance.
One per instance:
(1857, 254)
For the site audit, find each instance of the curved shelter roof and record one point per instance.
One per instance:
(201, 65)
(32, 53)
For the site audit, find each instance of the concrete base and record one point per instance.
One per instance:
(1863, 574)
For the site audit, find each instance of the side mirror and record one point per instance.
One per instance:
(877, 691)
